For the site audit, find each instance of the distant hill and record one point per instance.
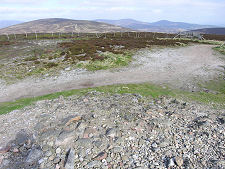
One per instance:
(215, 31)
(160, 26)
(61, 25)
(6, 23)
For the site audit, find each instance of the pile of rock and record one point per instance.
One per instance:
(119, 131)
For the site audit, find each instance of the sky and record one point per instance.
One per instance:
(193, 11)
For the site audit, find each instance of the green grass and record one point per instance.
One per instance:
(216, 85)
(111, 61)
(142, 89)
(215, 100)
(221, 49)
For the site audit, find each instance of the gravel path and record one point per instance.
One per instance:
(178, 67)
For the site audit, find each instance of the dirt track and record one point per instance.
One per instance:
(177, 67)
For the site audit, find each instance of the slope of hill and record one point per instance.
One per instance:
(61, 25)
(6, 23)
(215, 31)
(160, 26)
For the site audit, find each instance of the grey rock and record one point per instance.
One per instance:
(65, 138)
(94, 164)
(34, 156)
(21, 137)
(108, 159)
(48, 153)
(171, 162)
(117, 149)
(69, 164)
(164, 143)
(84, 142)
(58, 150)
(56, 160)
(112, 132)
(179, 161)
(154, 145)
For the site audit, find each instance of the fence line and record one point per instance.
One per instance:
(36, 35)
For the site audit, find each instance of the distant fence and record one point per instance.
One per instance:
(73, 35)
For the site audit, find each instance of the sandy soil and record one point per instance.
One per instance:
(177, 67)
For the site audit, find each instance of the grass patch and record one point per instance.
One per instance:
(220, 49)
(215, 85)
(215, 100)
(110, 61)
(142, 89)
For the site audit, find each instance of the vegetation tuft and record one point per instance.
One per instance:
(145, 89)
(221, 49)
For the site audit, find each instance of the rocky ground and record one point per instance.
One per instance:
(99, 130)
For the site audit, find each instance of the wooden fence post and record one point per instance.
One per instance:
(7, 36)
(36, 35)
(14, 36)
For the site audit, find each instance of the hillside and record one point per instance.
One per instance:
(61, 25)
(216, 31)
(160, 26)
(6, 23)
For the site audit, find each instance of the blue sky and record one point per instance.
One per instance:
(193, 11)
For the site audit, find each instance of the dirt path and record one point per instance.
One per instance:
(177, 67)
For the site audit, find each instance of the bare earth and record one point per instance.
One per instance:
(177, 67)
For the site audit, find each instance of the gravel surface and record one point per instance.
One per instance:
(178, 67)
(99, 130)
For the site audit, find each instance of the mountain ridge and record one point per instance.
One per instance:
(159, 26)
(54, 25)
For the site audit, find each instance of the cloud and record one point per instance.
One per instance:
(148, 10)
(121, 9)
(157, 11)
(22, 1)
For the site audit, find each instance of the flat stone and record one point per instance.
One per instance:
(111, 132)
(5, 149)
(56, 160)
(88, 132)
(48, 133)
(117, 149)
(154, 145)
(21, 138)
(34, 156)
(64, 138)
(69, 164)
(179, 161)
(164, 144)
(84, 142)
(58, 151)
(94, 164)
(171, 162)
(101, 156)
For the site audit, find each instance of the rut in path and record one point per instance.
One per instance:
(177, 67)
